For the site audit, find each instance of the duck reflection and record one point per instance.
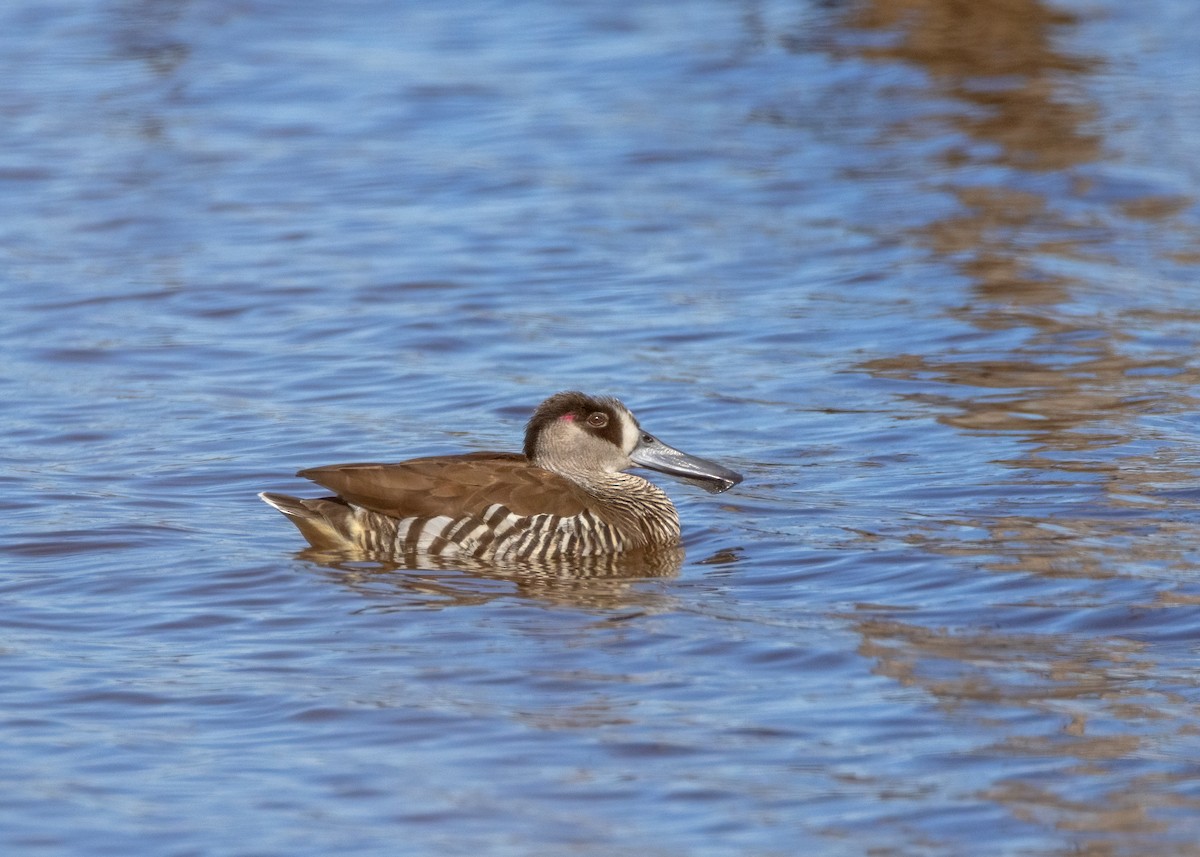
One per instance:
(597, 582)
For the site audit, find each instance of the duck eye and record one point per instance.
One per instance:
(598, 420)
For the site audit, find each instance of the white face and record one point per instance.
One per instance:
(630, 433)
(569, 444)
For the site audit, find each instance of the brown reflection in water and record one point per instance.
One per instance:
(999, 56)
(1000, 62)
(1056, 406)
(1067, 382)
(1068, 683)
(601, 582)
(1084, 710)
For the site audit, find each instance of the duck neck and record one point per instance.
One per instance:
(631, 503)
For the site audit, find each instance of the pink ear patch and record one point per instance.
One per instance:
(568, 417)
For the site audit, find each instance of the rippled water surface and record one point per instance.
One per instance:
(926, 272)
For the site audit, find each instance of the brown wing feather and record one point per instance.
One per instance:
(453, 485)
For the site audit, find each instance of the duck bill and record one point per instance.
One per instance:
(653, 454)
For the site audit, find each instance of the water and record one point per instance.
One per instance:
(925, 273)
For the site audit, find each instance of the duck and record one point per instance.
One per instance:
(567, 494)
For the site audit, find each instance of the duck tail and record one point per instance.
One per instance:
(323, 521)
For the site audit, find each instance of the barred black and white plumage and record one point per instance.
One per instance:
(567, 495)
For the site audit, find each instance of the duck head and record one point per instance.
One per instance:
(584, 436)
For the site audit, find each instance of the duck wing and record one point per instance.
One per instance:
(453, 485)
